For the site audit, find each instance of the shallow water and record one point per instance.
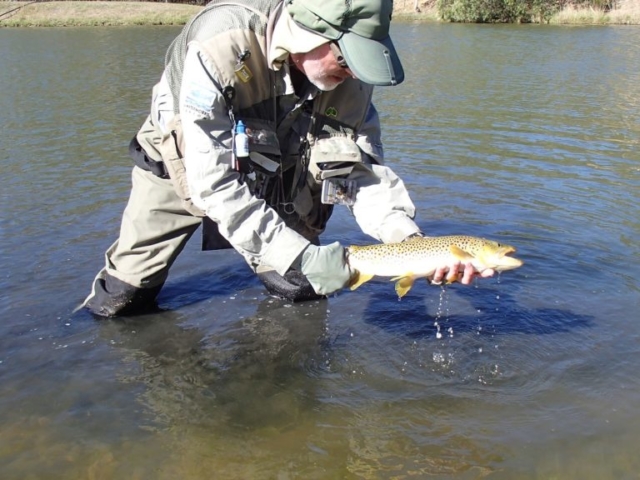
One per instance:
(526, 134)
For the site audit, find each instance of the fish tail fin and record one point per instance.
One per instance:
(358, 279)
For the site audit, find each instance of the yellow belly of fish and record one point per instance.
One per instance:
(420, 266)
(404, 267)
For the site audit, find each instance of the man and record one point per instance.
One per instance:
(296, 78)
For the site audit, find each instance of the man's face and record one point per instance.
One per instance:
(321, 67)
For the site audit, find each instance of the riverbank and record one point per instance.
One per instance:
(101, 13)
(626, 13)
(77, 14)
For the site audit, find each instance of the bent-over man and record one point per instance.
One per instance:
(261, 122)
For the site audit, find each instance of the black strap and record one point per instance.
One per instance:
(212, 239)
(142, 160)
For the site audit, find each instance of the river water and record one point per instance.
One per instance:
(526, 134)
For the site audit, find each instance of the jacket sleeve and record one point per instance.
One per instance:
(253, 228)
(383, 208)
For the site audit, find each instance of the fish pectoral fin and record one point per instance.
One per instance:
(461, 254)
(358, 279)
(403, 284)
(449, 281)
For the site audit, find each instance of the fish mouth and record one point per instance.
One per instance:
(503, 261)
(509, 263)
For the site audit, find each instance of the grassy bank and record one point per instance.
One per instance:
(627, 13)
(80, 13)
(70, 14)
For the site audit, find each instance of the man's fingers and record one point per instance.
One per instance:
(438, 275)
(464, 273)
(468, 274)
(448, 274)
(487, 273)
(454, 270)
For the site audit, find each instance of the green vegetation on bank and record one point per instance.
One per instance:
(92, 13)
(583, 12)
(536, 11)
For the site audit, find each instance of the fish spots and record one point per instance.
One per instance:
(420, 257)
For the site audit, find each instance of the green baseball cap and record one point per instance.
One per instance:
(361, 29)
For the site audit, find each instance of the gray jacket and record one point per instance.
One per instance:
(270, 214)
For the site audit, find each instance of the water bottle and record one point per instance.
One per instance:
(241, 141)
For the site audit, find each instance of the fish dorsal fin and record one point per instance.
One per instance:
(358, 279)
(460, 254)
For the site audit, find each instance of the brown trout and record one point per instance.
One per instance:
(420, 257)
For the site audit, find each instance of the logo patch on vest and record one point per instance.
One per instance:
(331, 112)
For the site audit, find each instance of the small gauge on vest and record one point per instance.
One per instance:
(338, 191)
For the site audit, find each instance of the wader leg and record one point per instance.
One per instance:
(111, 297)
(155, 228)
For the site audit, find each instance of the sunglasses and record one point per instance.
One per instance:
(338, 54)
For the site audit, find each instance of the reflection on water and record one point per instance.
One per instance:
(528, 135)
(216, 382)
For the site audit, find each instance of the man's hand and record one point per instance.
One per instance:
(326, 268)
(452, 273)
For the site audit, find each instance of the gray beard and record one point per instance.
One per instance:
(320, 84)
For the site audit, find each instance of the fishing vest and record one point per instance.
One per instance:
(292, 149)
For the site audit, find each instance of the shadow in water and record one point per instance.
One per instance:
(495, 307)
(203, 286)
(241, 375)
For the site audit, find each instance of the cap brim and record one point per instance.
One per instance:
(373, 61)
